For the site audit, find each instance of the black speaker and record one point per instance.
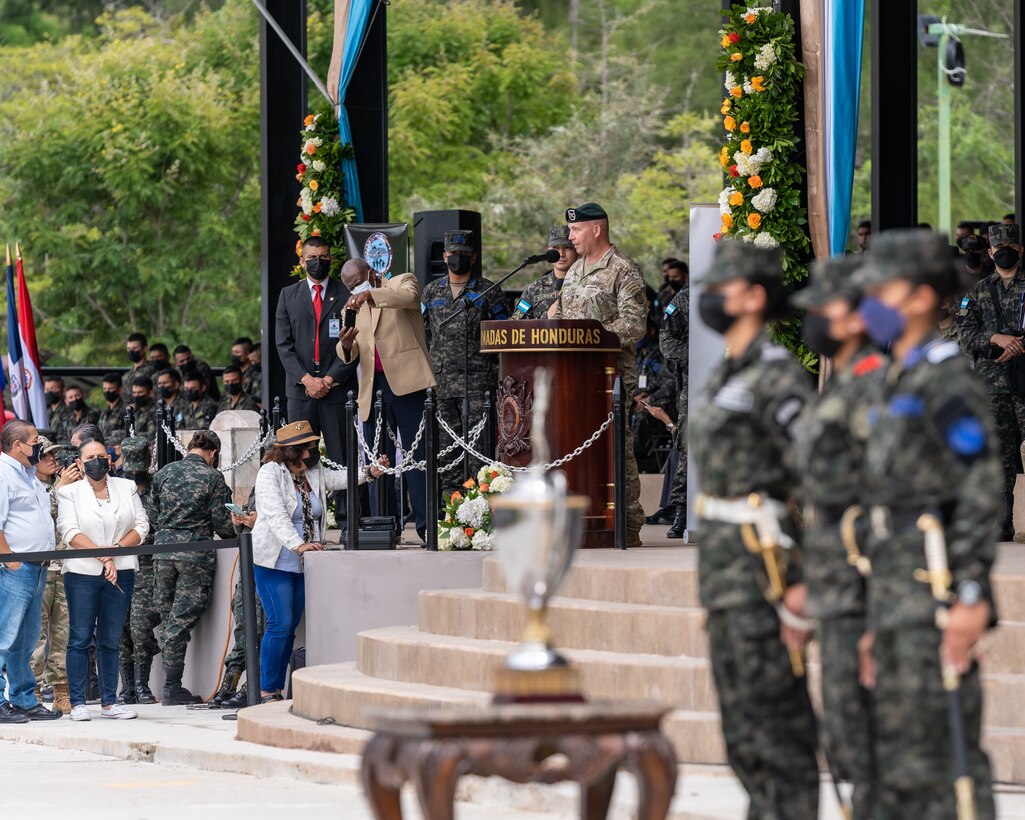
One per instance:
(429, 228)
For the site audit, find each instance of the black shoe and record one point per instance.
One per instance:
(142, 691)
(174, 693)
(12, 714)
(679, 522)
(228, 688)
(127, 694)
(240, 700)
(40, 712)
(46, 693)
(663, 516)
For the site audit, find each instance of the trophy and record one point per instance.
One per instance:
(538, 527)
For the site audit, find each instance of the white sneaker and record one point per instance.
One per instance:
(118, 712)
(80, 712)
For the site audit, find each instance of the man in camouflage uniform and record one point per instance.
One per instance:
(448, 337)
(988, 320)
(674, 341)
(606, 285)
(169, 389)
(189, 497)
(201, 409)
(235, 397)
(112, 417)
(188, 364)
(139, 643)
(539, 295)
(144, 409)
(832, 438)
(57, 410)
(79, 413)
(742, 443)
(932, 451)
(252, 376)
(137, 347)
(655, 386)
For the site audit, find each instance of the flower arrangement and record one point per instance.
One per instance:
(322, 211)
(467, 523)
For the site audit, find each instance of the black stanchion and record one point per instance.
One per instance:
(264, 429)
(276, 418)
(172, 451)
(432, 466)
(129, 420)
(488, 433)
(247, 581)
(161, 438)
(619, 461)
(352, 474)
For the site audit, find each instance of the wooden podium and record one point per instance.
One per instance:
(582, 356)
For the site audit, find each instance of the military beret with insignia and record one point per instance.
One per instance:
(588, 212)
(135, 454)
(830, 279)
(739, 260)
(1004, 235)
(558, 237)
(907, 253)
(459, 241)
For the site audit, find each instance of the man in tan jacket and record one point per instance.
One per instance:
(391, 347)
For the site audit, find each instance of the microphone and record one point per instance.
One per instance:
(547, 256)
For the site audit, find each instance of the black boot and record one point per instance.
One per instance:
(142, 690)
(127, 694)
(174, 693)
(661, 516)
(240, 700)
(228, 687)
(679, 522)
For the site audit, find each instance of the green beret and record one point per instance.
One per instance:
(459, 241)
(830, 279)
(559, 237)
(135, 454)
(908, 253)
(1004, 235)
(740, 260)
(588, 212)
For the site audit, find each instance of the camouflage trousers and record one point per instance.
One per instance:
(767, 719)
(913, 750)
(847, 711)
(634, 511)
(184, 590)
(1009, 418)
(236, 659)
(139, 642)
(678, 492)
(51, 660)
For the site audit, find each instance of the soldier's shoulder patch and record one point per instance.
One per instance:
(788, 410)
(423, 307)
(671, 309)
(522, 306)
(435, 303)
(640, 297)
(940, 352)
(965, 302)
(774, 353)
(906, 405)
(962, 429)
(868, 365)
(735, 395)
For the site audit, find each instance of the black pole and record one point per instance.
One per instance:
(172, 451)
(252, 645)
(619, 461)
(129, 420)
(264, 429)
(466, 388)
(352, 474)
(161, 439)
(276, 413)
(489, 428)
(431, 466)
(1019, 110)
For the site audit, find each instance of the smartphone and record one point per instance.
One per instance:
(235, 508)
(350, 318)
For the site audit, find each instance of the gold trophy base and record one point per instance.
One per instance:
(560, 684)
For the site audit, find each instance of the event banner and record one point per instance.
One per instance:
(385, 246)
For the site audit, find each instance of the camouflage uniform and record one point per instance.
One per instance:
(252, 382)
(128, 380)
(931, 449)
(612, 291)
(538, 296)
(112, 418)
(68, 422)
(674, 340)
(977, 321)
(189, 497)
(245, 402)
(198, 416)
(146, 422)
(55, 615)
(655, 379)
(742, 442)
(213, 389)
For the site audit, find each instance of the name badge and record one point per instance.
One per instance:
(334, 327)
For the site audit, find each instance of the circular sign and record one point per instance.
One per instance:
(377, 253)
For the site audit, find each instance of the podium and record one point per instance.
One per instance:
(582, 356)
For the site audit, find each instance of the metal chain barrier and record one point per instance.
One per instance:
(179, 445)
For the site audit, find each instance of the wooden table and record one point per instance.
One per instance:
(538, 743)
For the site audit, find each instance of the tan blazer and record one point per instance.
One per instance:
(396, 327)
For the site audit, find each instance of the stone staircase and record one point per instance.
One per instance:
(630, 622)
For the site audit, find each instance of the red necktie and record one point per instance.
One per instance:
(317, 304)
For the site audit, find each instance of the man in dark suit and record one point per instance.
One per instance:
(308, 327)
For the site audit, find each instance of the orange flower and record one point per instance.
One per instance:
(311, 149)
(746, 146)
(299, 202)
(469, 532)
(727, 104)
(736, 57)
(469, 484)
(736, 198)
(456, 496)
(758, 83)
(316, 208)
(755, 181)
(729, 123)
(727, 221)
(737, 91)
(745, 128)
(754, 220)
(298, 247)
(309, 120)
(299, 177)
(750, 18)
(315, 232)
(494, 473)
(485, 487)
(726, 41)
(314, 185)
(724, 157)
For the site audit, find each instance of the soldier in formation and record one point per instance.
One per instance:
(674, 341)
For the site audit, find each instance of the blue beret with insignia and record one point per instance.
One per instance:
(459, 242)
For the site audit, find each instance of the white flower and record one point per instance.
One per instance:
(484, 474)
(763, 155)
(748, 237)
(483, 540)
(730, 81)
(472, 512)
(765, 240)
(314, 142)
(500, 484)
(458, 539)
(318, 165)
(758, 10)
(329, 206)
(311, 127)
(766, 57)
(747, 164)
(748, 88)
(765, 201)
(724, 201)
(444, 540)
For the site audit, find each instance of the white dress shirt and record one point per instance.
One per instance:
(24, 508)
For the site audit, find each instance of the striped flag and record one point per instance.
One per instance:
(33, 384)
(15, 360)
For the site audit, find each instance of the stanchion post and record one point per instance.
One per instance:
(431, 466)
(619, 461)
(276, 413)
(172, 451)
(252, 645)
(161, 438)
(488, 433)
(264, 429)
(352, 474)
(129, 420)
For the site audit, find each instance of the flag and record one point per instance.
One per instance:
(15, 362)
(33, 384)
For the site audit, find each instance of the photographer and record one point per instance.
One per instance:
(990, 325)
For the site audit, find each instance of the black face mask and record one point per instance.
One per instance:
(973, 260)
(233, 389)
(166, 392)
(140, 402)
(1006, 258)
(317, 268)
(193, 395)
(711, 308)
(815, 330)
(312, 460)
(236, 360)
(135, 355)
(111, 395)
(78, 404)
(36, 454)
(97, 468)
(459, 263)
(676, 285)
(159, 365)
(52, 397)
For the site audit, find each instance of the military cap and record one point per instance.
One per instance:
(910, 253)
(135, 454)
(559, 237)
(298, 432)
(588, 212)
(973, 243)
(48, 446)
(459, 241)
(739, 260)
(1004, 235)
(830, 279)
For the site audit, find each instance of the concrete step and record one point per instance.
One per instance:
(403, 653)
(576, 623)
(273, 724)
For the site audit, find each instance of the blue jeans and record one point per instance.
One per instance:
(96, 606)
(283, 595)
(21, 613)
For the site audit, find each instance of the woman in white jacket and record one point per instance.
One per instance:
(291, 509)
(98, 512)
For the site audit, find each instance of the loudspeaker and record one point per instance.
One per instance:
(429, 228)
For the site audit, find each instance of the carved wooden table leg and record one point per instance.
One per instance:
(651, 758)
(438, 765)
(596, 798)
(383, 792)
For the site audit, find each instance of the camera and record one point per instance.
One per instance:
(350, 318)
(65, 460)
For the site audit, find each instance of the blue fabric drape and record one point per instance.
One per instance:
(355, 32)
(843, 95)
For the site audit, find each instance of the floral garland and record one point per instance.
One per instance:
(467, 523)
(322, 211)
